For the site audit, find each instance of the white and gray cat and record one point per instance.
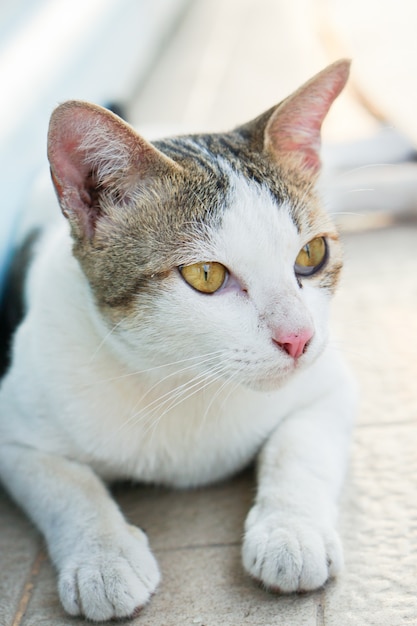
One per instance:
(176, 327)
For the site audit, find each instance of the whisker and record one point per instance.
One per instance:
(149, 410)
(171, 375)
(158, 367)
(358, 189)
(198, 387)
(178, 395)
(336, 213)
(227, 382)
(105, 338)
(365, 167)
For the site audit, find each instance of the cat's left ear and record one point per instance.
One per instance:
(92, 151)
(293, 128)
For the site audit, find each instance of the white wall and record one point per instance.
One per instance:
(54, 50)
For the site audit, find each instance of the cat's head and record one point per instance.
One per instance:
(211, 251)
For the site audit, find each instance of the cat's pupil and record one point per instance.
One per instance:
(311, 257)
(207, 277)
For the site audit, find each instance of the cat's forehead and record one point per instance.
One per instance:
(260, 224)
(255, 224)
(228, 201)
(218, 168)
(257, 235)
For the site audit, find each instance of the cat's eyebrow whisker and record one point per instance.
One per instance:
(354, 170)
(343, 174)
(359, 190)
(336, 213)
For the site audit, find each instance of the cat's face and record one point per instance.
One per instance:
(209, 252)
(234, 295)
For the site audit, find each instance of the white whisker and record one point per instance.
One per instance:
(171, 375)
(158, 367)
(186, 387)
(354, 170)
(105, 338)
(197, 387)
(218, 392)
(359, 189)
(336, 213)
(147, 412)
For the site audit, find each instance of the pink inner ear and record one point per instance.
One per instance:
(68, 166)
(295, 126)
(70, 123)
(70, 169)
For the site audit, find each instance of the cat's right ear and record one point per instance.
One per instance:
(291, 131)
(91, 151)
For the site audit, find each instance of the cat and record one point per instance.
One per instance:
(175, 328)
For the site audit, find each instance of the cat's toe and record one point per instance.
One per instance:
(289, 555)
(115, 582)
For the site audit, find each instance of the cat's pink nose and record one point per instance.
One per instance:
(294, 344)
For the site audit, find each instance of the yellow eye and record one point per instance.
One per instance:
(206, 277)
(311, 257)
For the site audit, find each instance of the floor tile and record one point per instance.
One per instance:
(208, 587)
(375, 321)
(19, 547)
(379, 530)
(212, 516)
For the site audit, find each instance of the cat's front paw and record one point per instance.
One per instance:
(111, 579)
(289, 554)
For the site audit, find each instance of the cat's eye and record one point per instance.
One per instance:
(207, 277)
(311, 257)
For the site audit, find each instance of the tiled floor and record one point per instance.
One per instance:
(215, 73)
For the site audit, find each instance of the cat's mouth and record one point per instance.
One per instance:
(264, 376)
(270, 379)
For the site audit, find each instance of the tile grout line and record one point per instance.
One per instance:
(320, 609)
(28, 588)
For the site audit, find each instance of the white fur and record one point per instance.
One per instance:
(187, 396)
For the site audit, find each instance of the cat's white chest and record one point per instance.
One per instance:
(170, 435)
